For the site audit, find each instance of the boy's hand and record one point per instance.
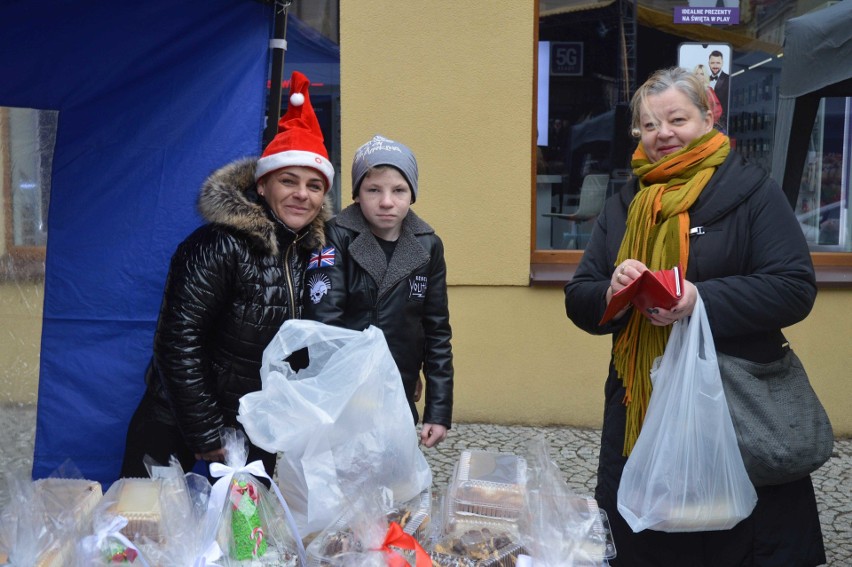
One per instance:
(431, 434)
(418, 389)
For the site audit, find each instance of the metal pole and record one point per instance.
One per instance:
(278, 44)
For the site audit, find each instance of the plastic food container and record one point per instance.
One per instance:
(488, 484)
(478, 543)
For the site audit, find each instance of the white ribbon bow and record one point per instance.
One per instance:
(219, 494)
(113, 530)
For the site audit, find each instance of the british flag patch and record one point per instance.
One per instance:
(322, 258)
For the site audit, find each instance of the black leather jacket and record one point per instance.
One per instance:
(406, 299)
(231, 285)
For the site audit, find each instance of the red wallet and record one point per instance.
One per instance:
(662, 288)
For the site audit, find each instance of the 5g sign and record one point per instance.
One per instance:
(566, 58)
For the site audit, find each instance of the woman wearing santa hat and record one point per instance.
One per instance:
(231, 285)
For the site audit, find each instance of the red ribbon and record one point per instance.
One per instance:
(398, 538)
(126, 556)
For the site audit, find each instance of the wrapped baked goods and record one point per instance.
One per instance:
(138, 501)
(108, 545)
(189, 528)
(364, 536)
(487, 484)
(473, 542)
(253, 527)
(44, 518)
(560, 528)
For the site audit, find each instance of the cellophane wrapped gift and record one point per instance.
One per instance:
(45, 517)
(560, 528)
(364, 536)
(188, 528)
(127, 520)
(254, 527)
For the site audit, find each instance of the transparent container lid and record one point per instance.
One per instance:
(488, 484)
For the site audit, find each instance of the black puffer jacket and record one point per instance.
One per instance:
(231, 285)
(406, 299)
(750, 263)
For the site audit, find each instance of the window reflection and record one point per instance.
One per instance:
(27, 143)
(823, 204)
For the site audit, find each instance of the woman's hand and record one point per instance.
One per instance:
(682, 309)
(214, 456)
(623, 276)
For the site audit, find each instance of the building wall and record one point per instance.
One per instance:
(20, 340)
(454, 81)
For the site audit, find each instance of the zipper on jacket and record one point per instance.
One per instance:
(697, 231)
(294, 313)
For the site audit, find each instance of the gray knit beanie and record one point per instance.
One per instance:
(382, 151)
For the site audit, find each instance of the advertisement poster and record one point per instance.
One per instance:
(709, 13)
(711, 62)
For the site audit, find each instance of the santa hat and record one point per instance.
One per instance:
(299, 139)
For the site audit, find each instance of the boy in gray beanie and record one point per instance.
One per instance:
(384, 266)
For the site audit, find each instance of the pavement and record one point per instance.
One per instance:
(575, 451)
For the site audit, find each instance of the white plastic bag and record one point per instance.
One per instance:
(341, 422)
(685, 473)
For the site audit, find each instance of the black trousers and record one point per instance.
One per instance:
(149, 436)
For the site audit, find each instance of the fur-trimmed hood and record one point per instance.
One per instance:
(229, 197)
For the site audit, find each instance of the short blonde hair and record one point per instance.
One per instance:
(662, 80)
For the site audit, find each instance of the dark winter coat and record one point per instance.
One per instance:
(750, 263)
(231, 285)
(406, 299)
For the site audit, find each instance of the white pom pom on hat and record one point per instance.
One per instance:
(299, 141)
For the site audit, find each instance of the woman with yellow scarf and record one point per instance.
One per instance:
(695, 203)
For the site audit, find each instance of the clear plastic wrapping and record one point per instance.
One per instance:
(367, 533)
(253, 527)
(477, 542)
(45, 518)
(560, 528)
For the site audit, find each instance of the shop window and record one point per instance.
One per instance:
(583, 141)
(27, 139)
(591, 56)
(822, 206)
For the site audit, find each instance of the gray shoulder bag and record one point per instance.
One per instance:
(783, 431)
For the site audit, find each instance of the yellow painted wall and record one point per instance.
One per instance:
(20, 340)
(454, 82)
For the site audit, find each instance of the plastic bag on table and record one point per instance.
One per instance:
(253, 527)
(363, 537)
(686, 472)
(560, 528)
(342, 421)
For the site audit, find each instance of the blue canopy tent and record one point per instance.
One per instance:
(152, 96)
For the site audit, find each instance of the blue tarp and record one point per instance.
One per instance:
(152, 96)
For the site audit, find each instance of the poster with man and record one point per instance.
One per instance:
(711, 63)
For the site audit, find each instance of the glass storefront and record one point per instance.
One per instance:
(593, 55)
